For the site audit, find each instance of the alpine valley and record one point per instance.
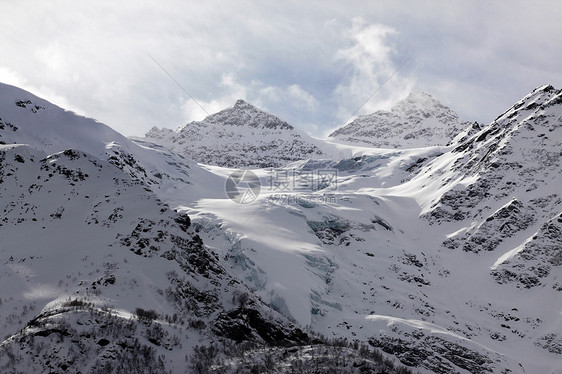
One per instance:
(407, 241)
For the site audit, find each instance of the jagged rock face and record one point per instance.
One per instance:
(516, 155)
(436, 354)
(417, 121)
(536, 262)
(519, 154)
(241, 136)
(501, 200)
(504, 223)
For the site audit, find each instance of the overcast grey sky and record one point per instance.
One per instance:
(312, 63)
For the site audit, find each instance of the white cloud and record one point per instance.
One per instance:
(301, 98)
(312, 63)
(292, 96)
(370, 59)
(11, 77)
(196, 110)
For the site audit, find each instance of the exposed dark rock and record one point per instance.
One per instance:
(247, 324)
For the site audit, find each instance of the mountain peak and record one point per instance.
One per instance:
(418, 96)
(544, 88)
(242, 103)
(244, 114)
(540, 98)
(246, 136)
(242, 106)
(418, 100)
(415, 121)
(39, 123)
(545, 91)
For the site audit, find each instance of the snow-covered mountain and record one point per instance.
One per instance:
(240, 136)
(390, 262)
(416, 121)
(506, 179)
(99, 274)
(122, 255)
(496, 198)
(85, 248)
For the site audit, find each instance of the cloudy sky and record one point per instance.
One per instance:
(312, 63)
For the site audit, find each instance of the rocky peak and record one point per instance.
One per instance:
(515, 155)
(540, 98)
(416, 121)
(242, 135)
(240, 103)
(420, 100)
(247, 115)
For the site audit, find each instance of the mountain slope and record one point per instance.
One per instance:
(240, 136)
(499, 199)
(83, 243)
(87, 242)
(417, 121)
(508, 178)
(27, 119)
(429, 270)
(99, 274)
